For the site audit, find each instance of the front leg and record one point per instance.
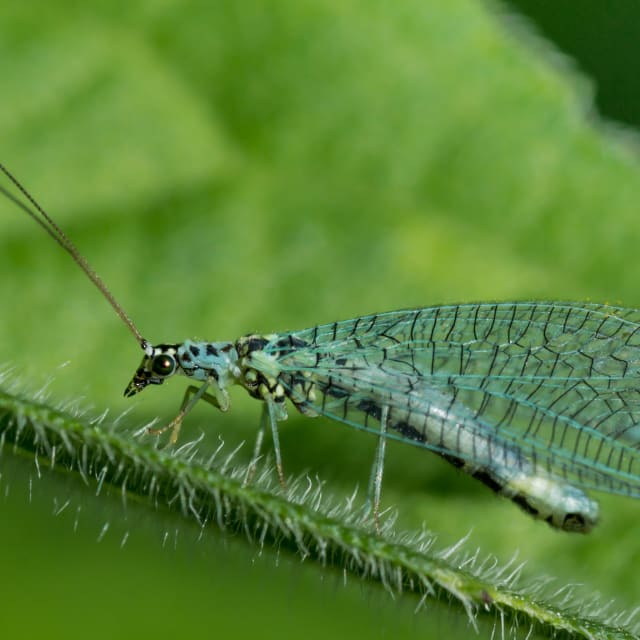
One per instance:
(188, 402)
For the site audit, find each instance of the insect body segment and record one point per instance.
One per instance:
(211, 363)
(158, 363)
(202, 361)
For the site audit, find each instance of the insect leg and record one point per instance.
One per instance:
(272, 411)
(375, 480)
(188, 403)
(251, 470)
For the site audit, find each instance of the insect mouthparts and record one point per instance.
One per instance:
(136, 385)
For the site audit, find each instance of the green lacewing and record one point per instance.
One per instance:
(540, 401)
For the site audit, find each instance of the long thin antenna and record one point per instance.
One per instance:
(43, 219)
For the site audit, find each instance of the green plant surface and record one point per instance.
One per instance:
(237, 167)
(214, 491)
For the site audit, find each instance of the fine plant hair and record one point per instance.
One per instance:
(300, 520)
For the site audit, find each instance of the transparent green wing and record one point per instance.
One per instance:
(548, 386)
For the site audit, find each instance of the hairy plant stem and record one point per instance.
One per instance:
(213, 492)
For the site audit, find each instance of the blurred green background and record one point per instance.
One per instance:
(602, 38)
(236, 167)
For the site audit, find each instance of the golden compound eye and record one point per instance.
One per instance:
(163, 365)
